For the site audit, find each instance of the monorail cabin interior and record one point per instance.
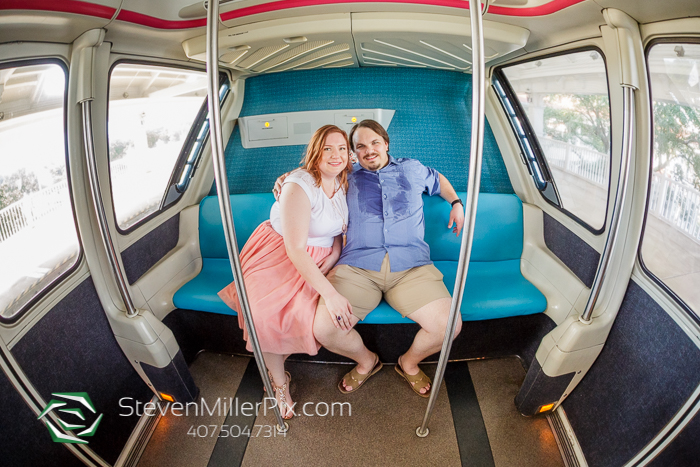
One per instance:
(580, 340)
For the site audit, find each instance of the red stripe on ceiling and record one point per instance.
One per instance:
(546, 9)
(542, 10)
(63, 6)
(100, 11)
(153, 22)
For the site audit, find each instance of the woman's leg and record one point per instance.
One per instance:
(275, 365)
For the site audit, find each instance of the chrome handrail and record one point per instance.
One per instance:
(473, 183)
(217, 146)
(107, 242)
(620, 194)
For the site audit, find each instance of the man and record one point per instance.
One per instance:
(386, 256)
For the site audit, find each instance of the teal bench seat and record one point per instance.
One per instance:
(495, 287)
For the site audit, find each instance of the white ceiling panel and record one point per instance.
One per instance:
(428, 40)
(281, 45)
(358, 39)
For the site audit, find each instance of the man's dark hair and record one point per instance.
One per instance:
(372, 125)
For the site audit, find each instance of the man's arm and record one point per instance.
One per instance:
(448, 193)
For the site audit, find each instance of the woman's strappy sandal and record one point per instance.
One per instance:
(285, 409)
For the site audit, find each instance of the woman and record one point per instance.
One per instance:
(285, 260)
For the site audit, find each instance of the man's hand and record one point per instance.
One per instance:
(277, 189)
(456, 218)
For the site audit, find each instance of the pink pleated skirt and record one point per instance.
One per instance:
(283, 305)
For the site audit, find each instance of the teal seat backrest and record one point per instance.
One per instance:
(498, 234)
(249, 211)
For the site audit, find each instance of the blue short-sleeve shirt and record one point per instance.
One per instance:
(386, 215)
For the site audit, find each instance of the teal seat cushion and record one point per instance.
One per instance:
(493, 290)
(495, 287)
(498, 233)
(200, 293)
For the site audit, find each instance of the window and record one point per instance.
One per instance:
(196, 140)
(152, 137)
(671, 244)
(38, 237)
(563, 113)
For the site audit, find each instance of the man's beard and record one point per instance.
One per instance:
(375, 163)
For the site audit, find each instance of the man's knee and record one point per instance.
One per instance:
(439, 321)
(458, 327)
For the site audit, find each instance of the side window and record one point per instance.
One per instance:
(671, 245)
(563, 105)
(151, 135)
(38, 236)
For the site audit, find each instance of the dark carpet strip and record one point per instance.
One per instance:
(474, 446)
(229, 451)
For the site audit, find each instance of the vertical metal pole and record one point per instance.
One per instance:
(473, 182)
(106, 237)
(217, 146)
(620, 194)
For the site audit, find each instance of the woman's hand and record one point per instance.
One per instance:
(340, 310)
(328, 262)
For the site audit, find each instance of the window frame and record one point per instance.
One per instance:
(180, 162)
(539, 154)
(694, 315)
(46, 289)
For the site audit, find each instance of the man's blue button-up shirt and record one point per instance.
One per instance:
(386, 215)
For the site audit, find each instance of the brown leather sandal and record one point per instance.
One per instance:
(356, 378)
(417, 381)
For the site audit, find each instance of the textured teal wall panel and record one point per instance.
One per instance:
(432, 122)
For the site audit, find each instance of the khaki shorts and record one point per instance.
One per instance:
(406, 291)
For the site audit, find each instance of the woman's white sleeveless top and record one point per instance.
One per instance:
(328, 215)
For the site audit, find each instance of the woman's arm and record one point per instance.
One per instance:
(295, 214)
(329, 261)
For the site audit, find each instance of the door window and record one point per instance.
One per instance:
(38, 237)
(151, 114)
(564, 105)
(671, 245)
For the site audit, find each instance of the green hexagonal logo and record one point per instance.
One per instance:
(76, 415)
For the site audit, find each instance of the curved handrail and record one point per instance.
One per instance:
(620, 194)
(106, 237)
